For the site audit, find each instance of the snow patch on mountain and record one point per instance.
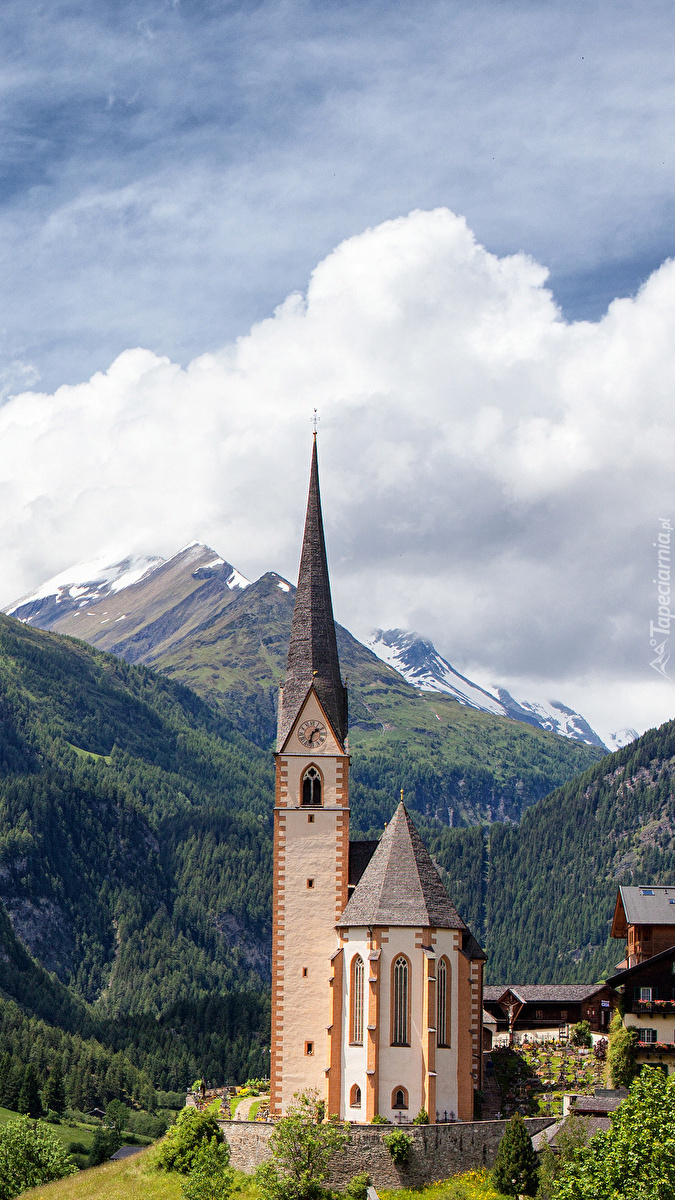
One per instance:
(622, 737)
(91, 580)
(418, 661)
(420, 664)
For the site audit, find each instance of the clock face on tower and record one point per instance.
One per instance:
(312, 734)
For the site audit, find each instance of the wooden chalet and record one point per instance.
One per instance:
(533, 1008)
(644, 917)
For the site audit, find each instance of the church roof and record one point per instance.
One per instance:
(312, 652)
(400, 885)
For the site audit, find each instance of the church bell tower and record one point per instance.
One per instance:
(311, 826)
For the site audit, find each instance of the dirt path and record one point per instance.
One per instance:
(244, 1107)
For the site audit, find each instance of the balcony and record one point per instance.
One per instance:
(655, 1047)
(654, 1008)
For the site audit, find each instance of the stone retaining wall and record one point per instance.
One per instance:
(438, 1151)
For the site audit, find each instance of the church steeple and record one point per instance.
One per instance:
(312, 652)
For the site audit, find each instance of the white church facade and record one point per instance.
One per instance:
(377, 984)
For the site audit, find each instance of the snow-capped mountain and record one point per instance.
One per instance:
(88, 583)
(418, 661)
(622, 737)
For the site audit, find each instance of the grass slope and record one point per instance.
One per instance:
(130, 1179)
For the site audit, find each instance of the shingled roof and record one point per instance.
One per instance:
(400, 885)
(312, 651)
(542, 993)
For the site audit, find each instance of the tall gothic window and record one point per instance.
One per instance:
(311, 786)
(400, 1002)
(443, 994)
(358, 978)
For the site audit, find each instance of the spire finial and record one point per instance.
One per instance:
(315, 418)
(401, 795)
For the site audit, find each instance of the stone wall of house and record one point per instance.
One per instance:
(438, 1151)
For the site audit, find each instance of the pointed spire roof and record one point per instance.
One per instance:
(312, 652)
(400, 885)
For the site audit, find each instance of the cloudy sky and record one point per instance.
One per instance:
(447, 225)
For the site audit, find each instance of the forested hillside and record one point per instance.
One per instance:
(541, 895)
(135, 853)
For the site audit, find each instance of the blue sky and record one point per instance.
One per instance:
(171, 171)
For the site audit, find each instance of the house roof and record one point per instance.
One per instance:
(400, 885)
(312, 652)
(600, 1105)
(624, 976)
(541, 993)
(650, 904)
(125, 1152)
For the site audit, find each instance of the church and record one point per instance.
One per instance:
(377, 983)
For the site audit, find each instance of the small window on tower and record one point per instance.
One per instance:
(311, 786)
(304, 972)
(309, 1047)
(310, 818)
(310, 883)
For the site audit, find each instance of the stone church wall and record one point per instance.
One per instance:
(438, 1151)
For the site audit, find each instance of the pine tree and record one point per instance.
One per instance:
(14, 1084)
(29, 1096)
(54, 1093)
(5, 1079)
(515, 1170)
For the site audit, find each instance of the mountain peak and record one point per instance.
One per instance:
(418, 661)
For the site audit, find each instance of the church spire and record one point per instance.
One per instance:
(312, 652)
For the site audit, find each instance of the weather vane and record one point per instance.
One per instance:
(315, 421)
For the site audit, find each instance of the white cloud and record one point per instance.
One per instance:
(493, 476)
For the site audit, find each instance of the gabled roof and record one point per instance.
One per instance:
(312, 651)
(541, 993)
(400, 885)
(651, 904)
(655, 961)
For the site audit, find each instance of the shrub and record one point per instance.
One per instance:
(581, 1034)
(302, 1146)
(77, 1148)
(186, 1138)
(105, 1142)
(399, 1145)
(635, 1159)
(621, 1054)
(422, 1117)
(30, 1154)
(379, 1120)
(148, 1125)
(211, 1176)
(600, 1050)
(357, 1188)
(515, 1169)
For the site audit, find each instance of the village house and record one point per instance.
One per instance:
(644, 917)
(648, 994)
(549, 1009)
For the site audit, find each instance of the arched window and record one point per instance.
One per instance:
(355, 1096)
(443, 977)
(311, 786)
(357, 988)
(400, 1002)
(399, 1098)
